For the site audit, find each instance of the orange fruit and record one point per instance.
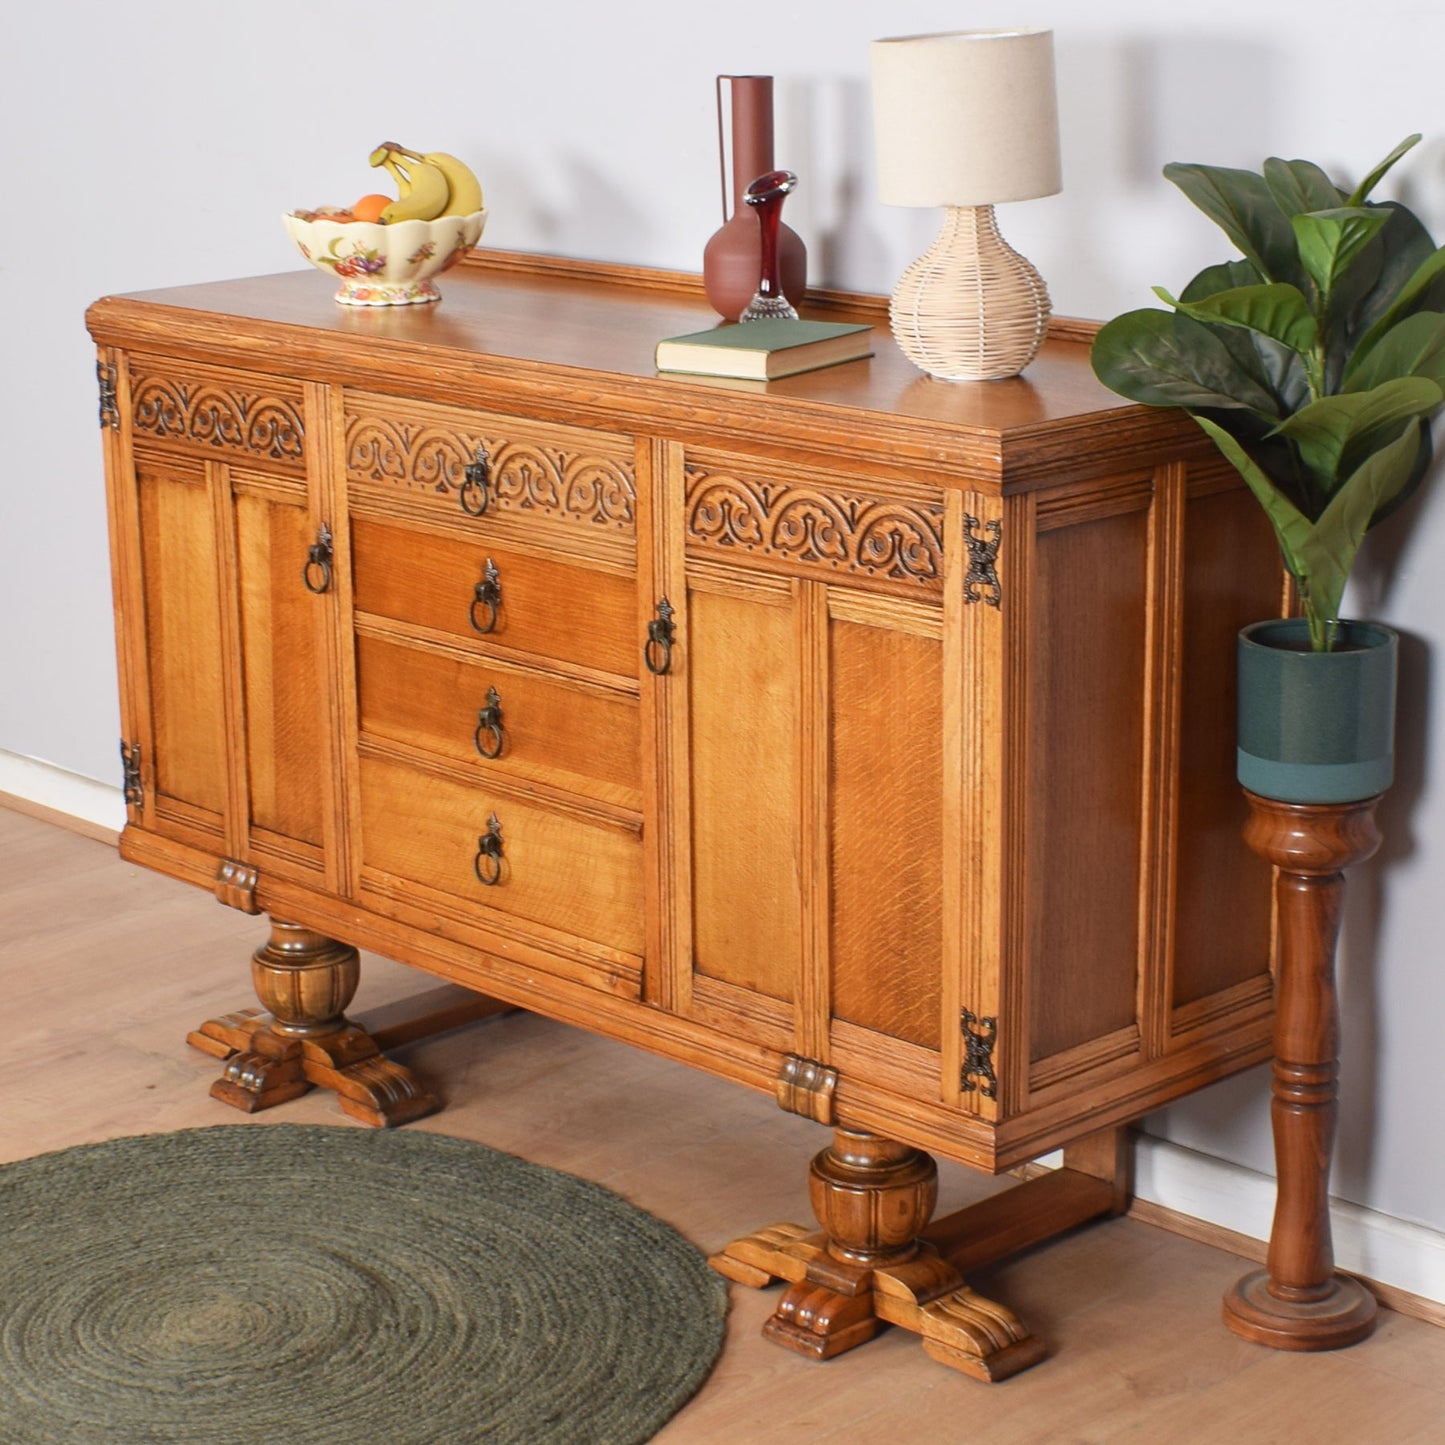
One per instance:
(369, 208)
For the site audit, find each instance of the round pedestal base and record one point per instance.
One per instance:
(1343, 1316)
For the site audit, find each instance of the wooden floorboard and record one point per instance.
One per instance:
(105, 966)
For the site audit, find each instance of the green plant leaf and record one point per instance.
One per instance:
(1334, 429)
(1277, 310)
(1161, 358)
(1326, 553)
(1291, 526)
(1226, 276)
(1240, 204)
(1412, 347)
(1428, 271)
(1362, 191)
(1321, 554)
(1329, 240)
(1300, 186)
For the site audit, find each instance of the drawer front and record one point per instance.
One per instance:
(501, 718)
(491, 468)
(515, 600)
(546, 867)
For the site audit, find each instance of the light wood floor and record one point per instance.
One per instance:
(104, 967)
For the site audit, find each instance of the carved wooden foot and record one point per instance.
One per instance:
(1299, 1302)
(877, 1260)
(306, 982)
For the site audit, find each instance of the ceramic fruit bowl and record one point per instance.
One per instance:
(384, 265)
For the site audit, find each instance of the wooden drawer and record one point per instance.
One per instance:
(500, 471)
(501, 718)
(545, 608)
(562, 871)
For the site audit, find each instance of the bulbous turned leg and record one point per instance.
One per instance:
(869, 1267)
(1298, 1301)
(305, 981)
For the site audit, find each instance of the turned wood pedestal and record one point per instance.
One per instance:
(305, 981)
(1299, 1301)
(879, 1261)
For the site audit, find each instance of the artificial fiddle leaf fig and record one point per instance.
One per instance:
(1277, 310)
(1240, 204)
(1171, 360)
(1315, 362)
(1332, 431)
(1329, 240)
(1373, 179)
(1412, 347)
(1300, 186)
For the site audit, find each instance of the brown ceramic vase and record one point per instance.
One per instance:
(732, 259)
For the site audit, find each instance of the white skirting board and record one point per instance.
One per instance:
(48, 786)
(1377, 1246)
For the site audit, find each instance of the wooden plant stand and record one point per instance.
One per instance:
(1299, 1301)
(878, 1261)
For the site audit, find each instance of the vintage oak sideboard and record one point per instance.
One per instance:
(862, 738)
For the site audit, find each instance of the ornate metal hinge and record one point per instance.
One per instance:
(980, 583)
(109, 410)
(130, 774)
(236, 885)
(806, 1087)
(979, 1037)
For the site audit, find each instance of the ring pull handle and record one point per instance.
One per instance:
(316, 574)
(657, 651)
(489, 736)
(486, 599)
(473, 494)
(487, 865)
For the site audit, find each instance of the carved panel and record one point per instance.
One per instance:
(225, 416)
(809, 527)
(525, 477)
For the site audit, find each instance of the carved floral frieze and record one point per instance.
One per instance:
(834, 529)
(211, 415)
(522, 476)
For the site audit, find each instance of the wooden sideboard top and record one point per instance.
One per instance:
(585, 333)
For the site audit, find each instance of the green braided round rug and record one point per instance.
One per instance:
(283, 1283)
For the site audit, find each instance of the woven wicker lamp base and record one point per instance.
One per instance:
(970, 308)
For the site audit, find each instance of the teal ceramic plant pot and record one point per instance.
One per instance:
(1316, 727)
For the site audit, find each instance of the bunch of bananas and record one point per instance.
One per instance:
(428, 186)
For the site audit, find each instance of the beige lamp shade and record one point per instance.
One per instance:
(968, 118)
(962, 121)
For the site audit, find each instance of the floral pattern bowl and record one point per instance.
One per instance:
(380, 265)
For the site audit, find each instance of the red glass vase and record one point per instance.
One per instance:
(732, 259)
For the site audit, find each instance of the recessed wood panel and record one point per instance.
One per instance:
(283, 669)
(743, 680)
(1222, 891)
(183, 635)
(580, 615)
(886, 785)
(1087, 675)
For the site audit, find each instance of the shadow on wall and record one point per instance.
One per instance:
(825, 133)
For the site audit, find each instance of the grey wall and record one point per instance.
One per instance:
(157, 143)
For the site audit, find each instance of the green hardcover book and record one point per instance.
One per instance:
(765, 350)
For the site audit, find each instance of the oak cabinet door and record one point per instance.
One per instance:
(815, 745)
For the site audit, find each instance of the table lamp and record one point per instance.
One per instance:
(965, 120)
